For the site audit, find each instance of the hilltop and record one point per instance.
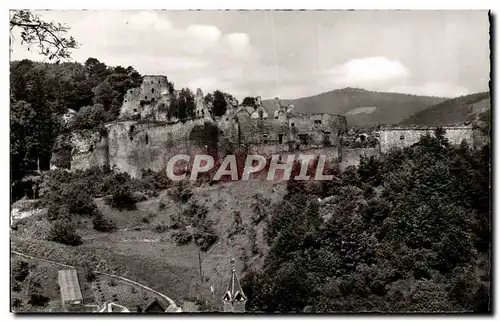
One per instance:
(362, 107)
(456, 110)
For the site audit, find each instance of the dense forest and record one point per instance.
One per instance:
(42, 93)
(407, 233)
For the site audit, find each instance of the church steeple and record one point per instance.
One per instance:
(234, 299)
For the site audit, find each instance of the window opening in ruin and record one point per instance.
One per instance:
(317, 121)
(145, 97)
(202, 112)
(362, 138)
(135, 110)
(130, 132)
(152, 90)
(158, 82)
(402, 137)
(91, 148)
(303, 138)
(152, 99)
(280, 138)
(151, 82)
(293, 124)
(147, 139)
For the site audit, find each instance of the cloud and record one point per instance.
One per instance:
(201, 38)
(239, 43)
(366, 70)
(237, 52)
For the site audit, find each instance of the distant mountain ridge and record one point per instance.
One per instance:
(461, 109)
(361, 107)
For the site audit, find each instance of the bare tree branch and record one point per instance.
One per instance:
(47, 36)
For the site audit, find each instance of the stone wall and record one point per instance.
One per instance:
(352, 157)
(90, 149)
(400, 136)
(317, 129)
(135, 146)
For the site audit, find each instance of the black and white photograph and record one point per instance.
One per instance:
(250, 161)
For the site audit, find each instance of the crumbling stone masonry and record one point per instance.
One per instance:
(147, 133)
(403, 136)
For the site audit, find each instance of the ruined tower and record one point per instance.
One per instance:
(202, 110)
(234, 299)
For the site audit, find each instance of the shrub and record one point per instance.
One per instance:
(16, 302)
(79, 202)
(122, 198)
(34, 292)
(90, 275)
(162, 205)
(193, 214)
(260, 206)
(182, 237)
(205, 237)
(157, 180)
(103, 224)
(20, 270)
(181, 193)
(62, 231)
(113, 180)
(161, 227)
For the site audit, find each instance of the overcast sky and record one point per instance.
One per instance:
(289, 54)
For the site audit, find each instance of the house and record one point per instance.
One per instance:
(71, 295)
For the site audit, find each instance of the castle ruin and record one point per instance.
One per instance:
(149, 132)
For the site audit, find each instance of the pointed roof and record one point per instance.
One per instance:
(234, 292)
(155, 305)
(112, 307)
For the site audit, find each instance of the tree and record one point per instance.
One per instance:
(32, 133)
(105, 95)
(219, 103)
(47, 36)
(209, 98)
(249, 101)
(34, 291)
(20, 270)
(89, 117)
(407, 232)
(186, 104)
(96, 71)
(103, 224)
(63, 231)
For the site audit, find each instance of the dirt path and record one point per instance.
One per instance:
(169, 300)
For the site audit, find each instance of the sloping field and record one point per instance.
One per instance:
(138, 252)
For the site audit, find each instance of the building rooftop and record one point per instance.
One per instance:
(70, 288)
